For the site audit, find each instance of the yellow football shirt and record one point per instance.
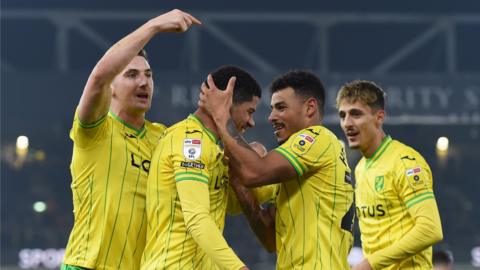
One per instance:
(187, 198)
(109, 168)
(388, 186)
(315, 211)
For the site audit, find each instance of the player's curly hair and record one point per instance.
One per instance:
(304, 83)
(246, 87)
(364, 91)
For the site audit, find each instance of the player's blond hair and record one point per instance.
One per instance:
(365, 91)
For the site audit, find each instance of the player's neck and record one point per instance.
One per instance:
(207, 121)
(134, 120)
(373, 147)
(314, 120)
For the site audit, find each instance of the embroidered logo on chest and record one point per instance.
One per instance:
(379, 183)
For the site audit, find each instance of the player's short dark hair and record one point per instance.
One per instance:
(143, 53)
(442, 257)
(365, 91)
(246, 87)
(304, 83)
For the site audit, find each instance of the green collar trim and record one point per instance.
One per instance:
(376, 155)
(208, 131)
(138, 131)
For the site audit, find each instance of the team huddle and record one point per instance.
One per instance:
(150, 197)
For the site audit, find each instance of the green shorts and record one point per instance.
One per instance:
(72, 267)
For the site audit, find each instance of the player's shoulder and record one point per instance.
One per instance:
(360, 165)
(406, 156)
(360, 168)
(183, 127)
(155, 127)
(187, 130)
(315, 133)
(311, 141)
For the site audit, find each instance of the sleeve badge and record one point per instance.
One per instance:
(192, 148)
(302, 143)
(414, 173)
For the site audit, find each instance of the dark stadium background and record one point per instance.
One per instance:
(424, 53)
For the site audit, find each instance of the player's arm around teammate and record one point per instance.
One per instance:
(96, 97)
(253, 170)
(262, 221)
(310, 165)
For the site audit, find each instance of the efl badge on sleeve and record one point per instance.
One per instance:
(192, 148)
(302, 143)
(414, 173)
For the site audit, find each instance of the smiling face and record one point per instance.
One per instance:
(242, 114)
(132, 89)
(288, 113)
(361, 124)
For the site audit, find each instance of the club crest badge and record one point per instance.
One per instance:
(192, 148)
(379, 183)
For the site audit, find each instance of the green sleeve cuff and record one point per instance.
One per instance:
(183, 176)
(91, 125)
(299, 168)
(419, 198)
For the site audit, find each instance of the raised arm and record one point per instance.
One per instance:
(253, 169)
(96, 96)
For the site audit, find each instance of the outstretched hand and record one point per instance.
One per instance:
(174, 21)
(216, 102)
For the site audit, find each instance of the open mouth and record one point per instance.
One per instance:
(351, 134)
(277, 128)
(143, 96)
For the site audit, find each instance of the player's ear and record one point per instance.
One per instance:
(311, 106)
(380, 116)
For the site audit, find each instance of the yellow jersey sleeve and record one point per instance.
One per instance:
(414, 180)
(305, 149)
(191, 159)
(85, 135)
(414, 187)
(426, 232)
(194, 198)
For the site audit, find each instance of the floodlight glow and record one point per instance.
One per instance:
(442, 144)
(22, 142)
(39, 207)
